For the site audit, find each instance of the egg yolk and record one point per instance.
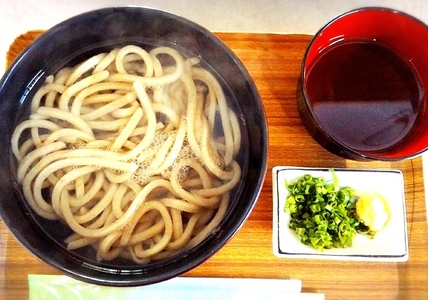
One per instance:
(373, 210)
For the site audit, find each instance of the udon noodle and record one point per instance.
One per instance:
(137, 150)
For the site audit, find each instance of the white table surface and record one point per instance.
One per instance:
(275, 16)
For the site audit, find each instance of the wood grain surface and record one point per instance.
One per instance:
(274, 62)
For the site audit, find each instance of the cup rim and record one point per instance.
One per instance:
(351, 153)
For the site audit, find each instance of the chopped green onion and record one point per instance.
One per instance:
(322, 213)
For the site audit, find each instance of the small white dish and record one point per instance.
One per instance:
(390, 244)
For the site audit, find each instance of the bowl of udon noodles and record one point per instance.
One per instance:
(134, 146)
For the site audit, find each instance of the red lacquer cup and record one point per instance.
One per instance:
(362, 90)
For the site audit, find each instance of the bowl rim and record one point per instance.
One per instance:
(347, 151)
(138, 278)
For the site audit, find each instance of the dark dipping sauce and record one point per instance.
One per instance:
(365, 95)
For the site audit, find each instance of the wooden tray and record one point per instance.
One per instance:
(274, 63)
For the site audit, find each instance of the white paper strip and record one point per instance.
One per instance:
(63, 287)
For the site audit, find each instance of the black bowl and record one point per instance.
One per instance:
(78, 38)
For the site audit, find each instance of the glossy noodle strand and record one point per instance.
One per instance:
(134, 150)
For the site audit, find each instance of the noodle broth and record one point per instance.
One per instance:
(226, 148)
